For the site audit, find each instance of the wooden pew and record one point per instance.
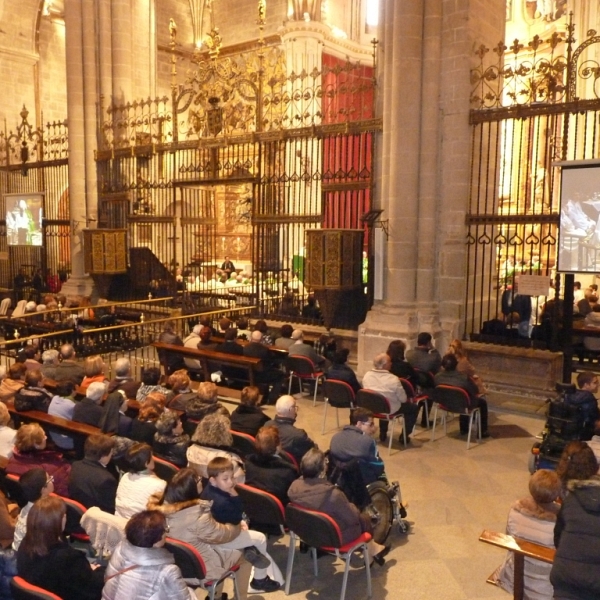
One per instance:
(78, 431)
(520, 548)
(249, 364)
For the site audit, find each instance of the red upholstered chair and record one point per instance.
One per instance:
(21, 590)
(419, 399)
(340, 395)
(265, 511)
(164, 469)
(73, 528)
(192, 567)
(319, 531)
(379, 405)
(303, 369)
(243, 443)
(451, 399)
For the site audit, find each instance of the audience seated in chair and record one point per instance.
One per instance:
(90, 483)
(314, 492)
(7, 434)
(143, 427)
(450, 376)
(170, 443)
(179, 382)
(62, 405)
(284, 341)
(341, 371)
(139, 483)
(49, 363)
(532, 518)
(226, 507)
(293, 439)
(30, 451)
(379, 379)
(45, 558)
(213, 438)
(94, 372)
(169, 336)
(35, 484)
(33, 396)
(424, 356)
(268, 469)
(32, 355)
(150, 383)
(12, 382)
(585, 401)
(204, 403)
(123, 380)
(68, 368)
(191, 341)
(140, 567)
(400, 367)
(464, 366)
(300, 348)
(230, 346)
(89, 410)
(248, 417)
(190, 520)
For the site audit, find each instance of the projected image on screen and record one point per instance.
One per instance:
(24, 220)
(579, 234)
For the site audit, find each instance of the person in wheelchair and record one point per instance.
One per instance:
(357, 469)
(355, 442)
(584, 400)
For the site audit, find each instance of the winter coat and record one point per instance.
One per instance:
(271, 473)
(248, 419)
(293, 439)
(351, 443)
(319, 494)
(33, 398)
(134, 490)
(156, 575)
(576, 570)
(191, 521)
(197, 409)
(91, 484)
(535, 523)
(171, 447)
(199, 457)
(64, 571)
(52, 462)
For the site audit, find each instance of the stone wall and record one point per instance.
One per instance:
(52, 71)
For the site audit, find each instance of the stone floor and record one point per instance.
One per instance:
(453, 494)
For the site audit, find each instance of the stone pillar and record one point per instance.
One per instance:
(123, 33)
(78, 283)
(423, 165)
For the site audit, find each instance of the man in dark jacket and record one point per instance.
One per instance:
(90, 483)
(89, 410)
(169, 336)
(270, 377)
(450, 376)
(340, 371)
(584, 400)
(68, 367)
(230, 346)
(355, 442)
(123, 379)
(293, 440)
(33, 396)
(424, 356)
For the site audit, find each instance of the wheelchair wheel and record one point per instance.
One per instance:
(381, 501)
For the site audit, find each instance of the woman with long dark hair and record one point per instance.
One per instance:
(47, 560)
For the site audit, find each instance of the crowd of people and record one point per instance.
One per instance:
(186, 425)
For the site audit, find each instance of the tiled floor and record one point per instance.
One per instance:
(453, 495)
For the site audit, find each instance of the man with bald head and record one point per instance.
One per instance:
(68, 367)
(270, 377)
(293, 440)
(300, 348)
(379, 379)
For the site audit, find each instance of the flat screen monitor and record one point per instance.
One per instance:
(24, 214)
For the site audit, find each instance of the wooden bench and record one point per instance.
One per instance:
(248, 364)
(520, 548)
(79, 432)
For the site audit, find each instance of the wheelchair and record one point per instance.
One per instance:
(380, 499)
(563, 425)
(385, 498)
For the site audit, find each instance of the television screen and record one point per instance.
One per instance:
(24, 219)
(579, 228)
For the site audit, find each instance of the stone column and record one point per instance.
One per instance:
(123, 33)
(397, 179)
(78, 283)
(423, 165)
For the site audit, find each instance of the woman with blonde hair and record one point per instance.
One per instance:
(46, 559)
(464, 366)
(7, 434)
(213, 438)
(204, 403)
(94, 371)
(30, 451)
